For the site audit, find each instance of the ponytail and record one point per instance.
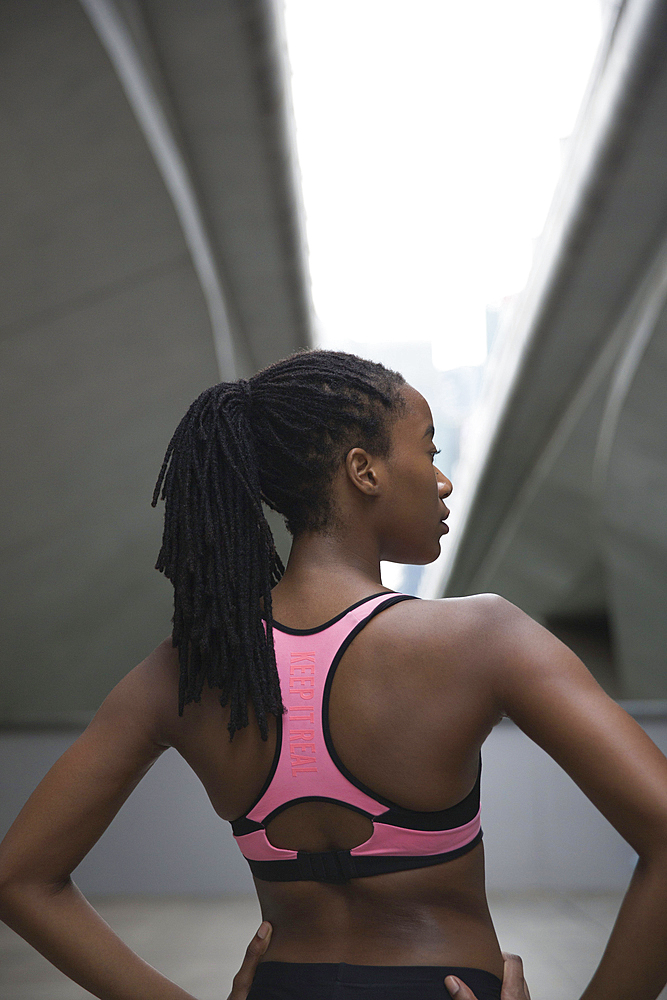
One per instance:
(218, 552)
(277, 439)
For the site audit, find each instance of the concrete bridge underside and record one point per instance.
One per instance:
(152, 244)
(563, 487)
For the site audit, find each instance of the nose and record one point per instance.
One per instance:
(444, 485)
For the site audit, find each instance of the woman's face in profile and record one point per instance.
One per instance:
(411, 517)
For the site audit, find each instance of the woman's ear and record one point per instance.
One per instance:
(361, 469)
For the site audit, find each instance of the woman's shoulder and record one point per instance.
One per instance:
(474, 637)
(499, 637)
(471, 619)
(146, 699)
(158, 673)
(447, 640)
(471, 607)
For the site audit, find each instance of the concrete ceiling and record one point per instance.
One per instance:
(152, 244)
(564, 489)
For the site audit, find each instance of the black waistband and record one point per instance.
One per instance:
(308, 977)
(341, 866)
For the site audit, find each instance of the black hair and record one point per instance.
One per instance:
(277, 439)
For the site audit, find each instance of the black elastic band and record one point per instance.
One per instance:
(243, 825)
(332, 621)
(341, 866)
(444, 819)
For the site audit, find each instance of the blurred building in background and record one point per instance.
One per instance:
(562, 502)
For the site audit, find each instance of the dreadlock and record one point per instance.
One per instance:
(277, 439)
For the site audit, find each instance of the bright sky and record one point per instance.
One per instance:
(429, 143)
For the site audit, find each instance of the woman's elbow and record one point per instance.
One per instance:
(20, 892)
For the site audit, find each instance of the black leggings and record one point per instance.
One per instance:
(339, 981)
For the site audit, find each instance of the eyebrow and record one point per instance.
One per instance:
(430, 430)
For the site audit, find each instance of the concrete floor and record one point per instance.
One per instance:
(199, 942)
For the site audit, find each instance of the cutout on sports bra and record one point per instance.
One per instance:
(318, 826)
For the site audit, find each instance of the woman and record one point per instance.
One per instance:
(357, 715)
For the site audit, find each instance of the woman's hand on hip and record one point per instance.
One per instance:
(244, 977)
(515, 986)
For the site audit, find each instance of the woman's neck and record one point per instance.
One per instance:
(325, 560)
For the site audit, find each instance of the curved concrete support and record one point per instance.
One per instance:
(105, 331)
(633, 508)
(154, 121)
(654, 296)
(618, 359)
(603, 223)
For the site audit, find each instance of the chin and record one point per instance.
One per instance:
(435, 554)
(419, 557)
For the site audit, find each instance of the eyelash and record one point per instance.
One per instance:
(434, 453)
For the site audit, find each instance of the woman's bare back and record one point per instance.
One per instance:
(408, 712)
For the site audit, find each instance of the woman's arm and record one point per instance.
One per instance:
(552, 697)
(61, 821)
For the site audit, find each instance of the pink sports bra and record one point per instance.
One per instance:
(306, 767)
